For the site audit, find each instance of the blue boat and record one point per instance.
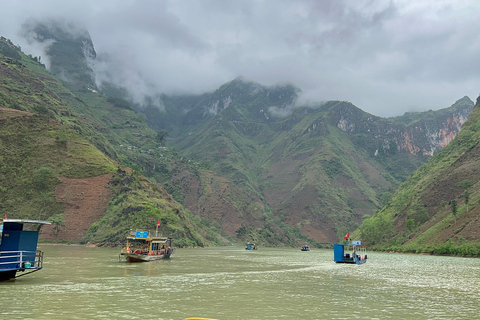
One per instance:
(18, 248)
(251, 246)
(354, 253)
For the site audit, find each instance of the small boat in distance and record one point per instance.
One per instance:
(143, 246)
(18, 248)
(305, 247)
(354, 253)
(251, 246)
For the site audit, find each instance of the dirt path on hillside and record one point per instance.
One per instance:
(85, 202)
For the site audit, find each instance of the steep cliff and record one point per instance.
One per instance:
(436, 210)
(250, 163)
(317, 170)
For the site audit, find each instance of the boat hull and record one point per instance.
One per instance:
(354, 261)
(132, 257)
(7, 275)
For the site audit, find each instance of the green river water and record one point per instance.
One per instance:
(231, 283)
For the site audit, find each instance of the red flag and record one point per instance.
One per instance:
(158, 223)
(5, 217)
(346, 236)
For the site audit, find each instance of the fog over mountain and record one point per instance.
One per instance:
(387, 57)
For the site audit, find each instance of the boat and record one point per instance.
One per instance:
(305, 247)
(144, 246)
(354, 253)
(18, 248)
(251, 246)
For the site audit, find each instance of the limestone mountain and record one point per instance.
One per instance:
(319, 170)
(437, 209)
(247, 161)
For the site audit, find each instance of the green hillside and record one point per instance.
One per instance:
(35, 151)
(242, 163)
(318, 170)
(437, 209)
(48, 133)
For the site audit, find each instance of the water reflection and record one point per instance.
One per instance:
(232, 283)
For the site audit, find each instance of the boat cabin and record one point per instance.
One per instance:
(144, 242)
(18, 247)
(251, 246)
(354, 252)
(144, 245)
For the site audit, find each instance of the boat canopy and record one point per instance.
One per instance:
(18, 248)
(26, 221)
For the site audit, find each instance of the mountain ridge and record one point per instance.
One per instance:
(250, 164)
(422, 216)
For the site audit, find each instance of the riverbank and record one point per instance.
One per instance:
(448, 248)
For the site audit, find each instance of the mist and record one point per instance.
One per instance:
(387, 58)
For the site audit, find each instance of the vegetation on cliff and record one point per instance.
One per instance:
(48, 132)
(437, 209)
(251, 165)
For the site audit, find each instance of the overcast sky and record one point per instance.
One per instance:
(386, 57)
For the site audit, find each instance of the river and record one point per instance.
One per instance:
(231, 283)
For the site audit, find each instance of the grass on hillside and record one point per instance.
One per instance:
(35, 152)
(380, 229)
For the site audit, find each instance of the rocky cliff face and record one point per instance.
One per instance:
(434, 210)
(69, 51)
(319, 170)
(423, 137)
(276, 172)
(249, 96)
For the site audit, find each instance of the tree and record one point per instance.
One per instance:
(161, 136)
(465, 185)
(410, 225)
(385, 198)
(44, 177)
(453, 204)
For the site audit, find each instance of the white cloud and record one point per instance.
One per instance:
(384, 57)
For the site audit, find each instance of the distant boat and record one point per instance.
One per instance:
(18, 248)
(305, 247)
(251, 246)
(144, 246)
(354, 253)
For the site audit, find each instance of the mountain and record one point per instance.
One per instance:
(314, 171)
(70, 51)
(245, 162)
(437, 209)
(60, 161)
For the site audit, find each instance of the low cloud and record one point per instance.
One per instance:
(385, 57)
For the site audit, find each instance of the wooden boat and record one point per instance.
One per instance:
(18, 248)
(144, 246)
(305, 247)
(354, 253)
(251, 246)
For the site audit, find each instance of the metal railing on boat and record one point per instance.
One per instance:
(21, 261)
